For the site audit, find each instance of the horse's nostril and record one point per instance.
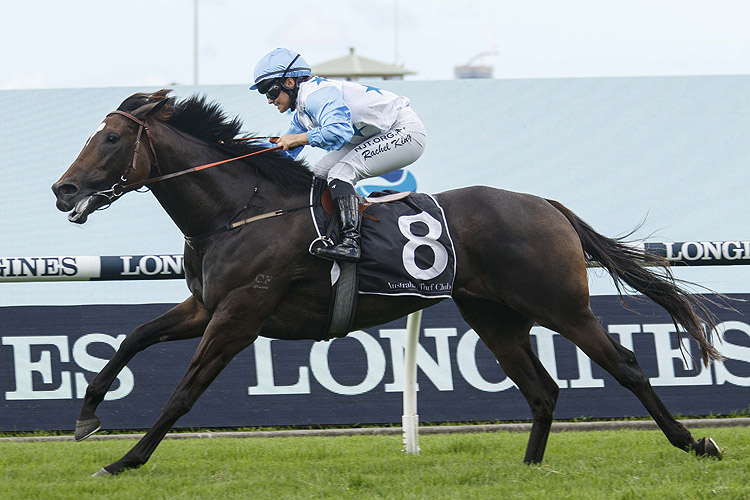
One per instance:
(68, 189)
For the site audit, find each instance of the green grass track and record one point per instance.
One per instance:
(601, 465)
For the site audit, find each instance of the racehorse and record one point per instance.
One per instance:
(520, 260)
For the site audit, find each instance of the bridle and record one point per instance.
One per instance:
(122, 186)
(142, 127)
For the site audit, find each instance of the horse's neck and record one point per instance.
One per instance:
(203, 201)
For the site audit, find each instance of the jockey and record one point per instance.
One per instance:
(368, 132)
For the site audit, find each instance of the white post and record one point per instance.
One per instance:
(410, 419)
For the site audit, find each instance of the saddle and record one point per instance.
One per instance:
(385, 196)
(406, 250)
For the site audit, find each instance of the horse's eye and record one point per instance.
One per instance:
(112, 138)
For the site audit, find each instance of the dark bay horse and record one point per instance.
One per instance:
(520, 259)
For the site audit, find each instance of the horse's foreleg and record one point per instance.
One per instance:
(184, 321)
(222, 341)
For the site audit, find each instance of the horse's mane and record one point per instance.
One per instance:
(206, 121)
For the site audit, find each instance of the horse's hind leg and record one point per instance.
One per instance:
(184, 321)
(506, 334)
(585, 331)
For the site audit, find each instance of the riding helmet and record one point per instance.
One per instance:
(277, 64)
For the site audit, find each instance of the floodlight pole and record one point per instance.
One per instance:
(195, 42)
(395, 33)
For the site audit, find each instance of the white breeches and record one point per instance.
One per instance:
(377, 155)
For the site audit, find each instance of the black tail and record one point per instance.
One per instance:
(627, 264)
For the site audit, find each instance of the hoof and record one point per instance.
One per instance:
(101, 473)
(707, 447)
(85, 428)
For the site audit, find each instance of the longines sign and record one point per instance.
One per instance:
(48, 354)
(702, 253)
(121, 267)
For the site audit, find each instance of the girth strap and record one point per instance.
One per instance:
(344, 300)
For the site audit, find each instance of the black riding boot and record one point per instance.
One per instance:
(348, 249)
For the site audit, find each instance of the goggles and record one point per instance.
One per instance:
(273, 92)
(272, 87)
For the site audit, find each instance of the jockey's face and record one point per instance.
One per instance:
(284, 101)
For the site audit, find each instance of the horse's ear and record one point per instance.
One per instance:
(152, 109)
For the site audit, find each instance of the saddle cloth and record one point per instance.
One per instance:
(406, 245)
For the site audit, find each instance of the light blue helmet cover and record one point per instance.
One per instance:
(276, 63)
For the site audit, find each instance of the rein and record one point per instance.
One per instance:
(121, 187)
(137, 185)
